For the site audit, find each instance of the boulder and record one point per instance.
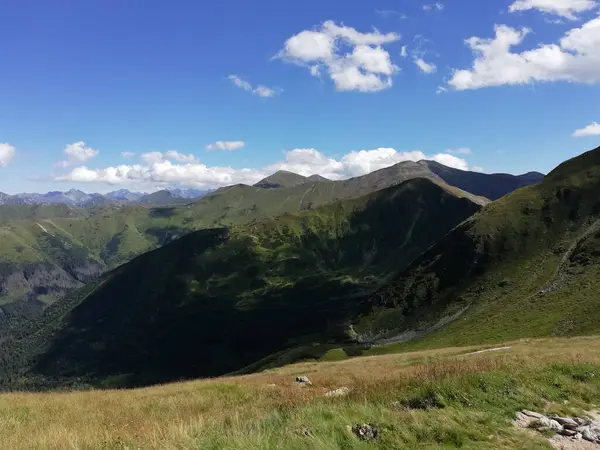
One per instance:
(532, 414)
(366, 432)
(341, 392)
(567, 432)
(591, 434)
(550, 424)
(303, 381)
(566, 422)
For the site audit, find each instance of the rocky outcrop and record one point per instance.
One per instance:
(575, 428)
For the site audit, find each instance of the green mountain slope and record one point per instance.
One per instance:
(81, 243)
(220, 299)
(526, 265)
(282, 179)
(492, 186)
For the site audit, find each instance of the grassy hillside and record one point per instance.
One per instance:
(40, 266)
(527, 265)
(49, 249)
(492, 186)
(220, 299)
(282, 179)
(422, 400)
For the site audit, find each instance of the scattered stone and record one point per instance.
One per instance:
(592, 434)
(341, 392)
(583, 422)
(566, 422)
(304, 431)
(304, 381)
(574, 433)
(551, 424)
(567, 432)
(366, 432)
(532, 414)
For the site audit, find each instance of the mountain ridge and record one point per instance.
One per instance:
(524, 260)
(111, 234)
(317, 263)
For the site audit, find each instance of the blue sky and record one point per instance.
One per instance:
(212, 93)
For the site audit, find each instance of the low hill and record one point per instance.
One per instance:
(527, 265)
(217, 300)
(492, 186)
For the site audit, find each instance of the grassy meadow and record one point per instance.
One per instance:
(448, 398)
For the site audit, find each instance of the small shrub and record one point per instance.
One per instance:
(427, 400)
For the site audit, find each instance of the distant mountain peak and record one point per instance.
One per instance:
(282, 179)
(317, 177)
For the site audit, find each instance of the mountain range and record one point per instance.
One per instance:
(292, 263)
(75, 197)
(47, 249)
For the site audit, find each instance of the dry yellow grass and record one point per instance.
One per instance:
(257, 410)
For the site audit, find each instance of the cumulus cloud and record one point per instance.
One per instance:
(77, 153)
(164, 168)
(127, 154)
(424, 66)
(569, 9)
(353, 60)
(260, 90)
(7, 153)
(226, 145)
(593, 129)
(180, 157)
(154, 157)
(575, 58)
(437, 6)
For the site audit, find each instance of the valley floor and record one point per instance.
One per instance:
(450, 398)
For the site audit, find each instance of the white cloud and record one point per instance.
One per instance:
(155, 157)
(180, 157)
(260, 90)
(77, 153)
(460, 151)
(593, 129)
(226, 145)
(7, 153)
(127, 154)
(477, 169)
(437, 6)
(404, 51)
(569, 9)
(425, 67)
(159, 169)
(386, 13)
(576, 58)
(355, 61)
(151, 157)
(265, 92)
